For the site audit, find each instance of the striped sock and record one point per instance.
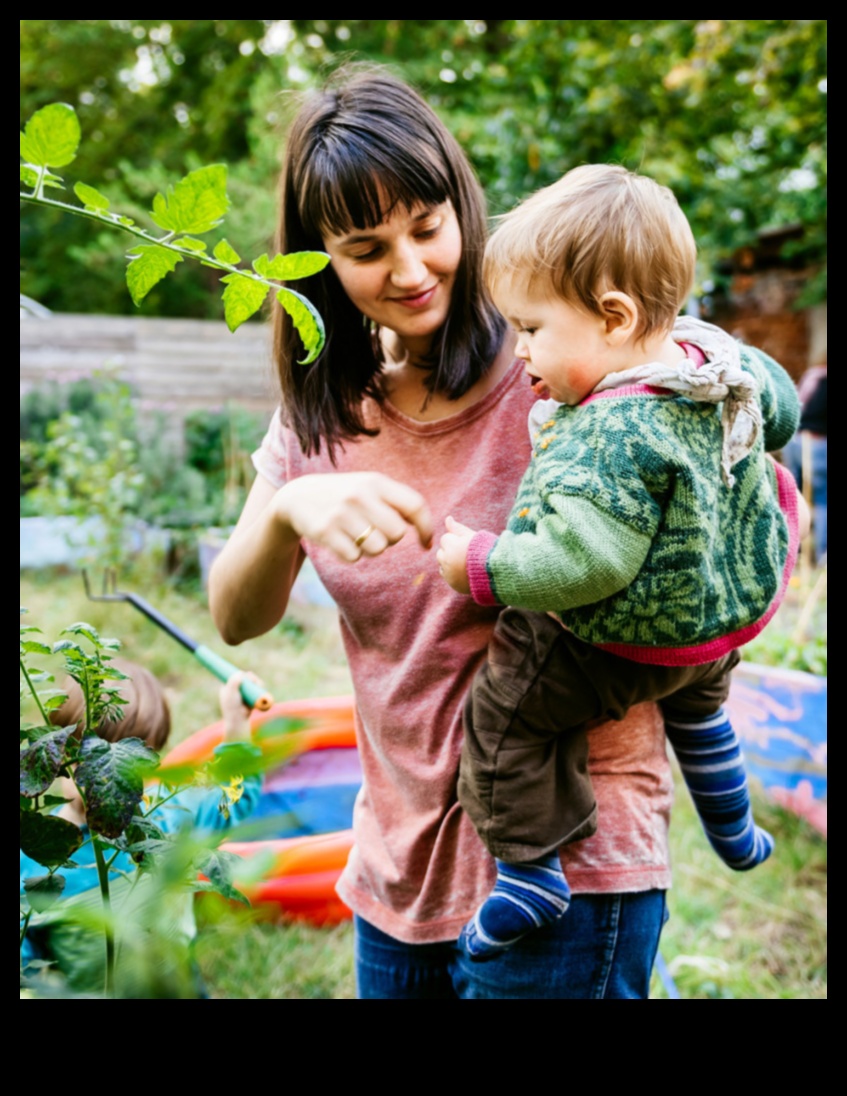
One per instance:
(525, 897)
(712, 764)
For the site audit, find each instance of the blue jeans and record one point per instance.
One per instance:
(602, 949)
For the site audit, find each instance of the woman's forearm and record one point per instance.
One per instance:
(251, 579)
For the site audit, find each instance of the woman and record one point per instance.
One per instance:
(416, 409)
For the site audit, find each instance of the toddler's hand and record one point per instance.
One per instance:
(452, 555)
(236, 714)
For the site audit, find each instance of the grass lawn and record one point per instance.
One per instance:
(760, 935)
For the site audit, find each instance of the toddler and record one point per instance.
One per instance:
(651, 536)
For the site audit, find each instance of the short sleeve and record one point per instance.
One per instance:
(272, 460)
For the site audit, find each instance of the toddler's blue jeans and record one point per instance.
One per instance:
(602, 949)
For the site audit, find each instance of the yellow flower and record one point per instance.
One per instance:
(232, 792)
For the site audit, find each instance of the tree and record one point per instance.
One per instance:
(730, 113)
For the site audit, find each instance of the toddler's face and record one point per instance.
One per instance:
(564, 348)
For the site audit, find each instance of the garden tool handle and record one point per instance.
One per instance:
(253, 695)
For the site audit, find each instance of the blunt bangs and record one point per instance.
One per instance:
(352, 181)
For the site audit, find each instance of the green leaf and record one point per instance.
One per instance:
(144, 840)
(290, 268)
(217, 868)
(51, 136)
(190, 243)
(226, 253)
(143, 836)
(91, 198)
(196, 204)
(110, 776)
(147, 266)
(279, 725)
(307, 320)
(150, 846)
(29, 176)
(43, 891)
(234, 759)
(33, 647)
(82, 628)
(48, 839)
(242, 298)
(43, 761)
(33, 731)
(54, 699)
(50, 801)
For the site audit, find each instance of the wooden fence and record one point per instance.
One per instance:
(177, 366)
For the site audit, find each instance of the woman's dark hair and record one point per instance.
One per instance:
(359, 148)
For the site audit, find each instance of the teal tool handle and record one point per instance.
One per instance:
(254, 695)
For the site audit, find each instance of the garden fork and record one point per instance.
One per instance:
(252, 694)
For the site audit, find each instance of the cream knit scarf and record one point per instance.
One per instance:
(719, 380)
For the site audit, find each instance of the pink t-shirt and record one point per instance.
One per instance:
(418, 870)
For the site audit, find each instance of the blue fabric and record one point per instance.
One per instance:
(602, 949)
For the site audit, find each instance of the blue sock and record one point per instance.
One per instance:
(712, 764)
(525, 897)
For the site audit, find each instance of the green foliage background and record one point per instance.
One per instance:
(730, 113)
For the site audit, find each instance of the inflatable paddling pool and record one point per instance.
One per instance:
(779, 715)
(309, 797)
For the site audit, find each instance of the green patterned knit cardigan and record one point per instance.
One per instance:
(623, 527)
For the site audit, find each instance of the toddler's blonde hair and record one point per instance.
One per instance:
(599, 228)
(146, 715)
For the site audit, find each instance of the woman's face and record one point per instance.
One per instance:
(401, 273)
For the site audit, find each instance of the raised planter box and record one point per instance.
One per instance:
(63, 541)
(780, 717)
(307, 590)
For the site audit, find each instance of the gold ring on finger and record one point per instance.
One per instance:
(363, 536)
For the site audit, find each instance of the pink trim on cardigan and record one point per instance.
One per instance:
(478, 577)
(627, 390)
(717, 648)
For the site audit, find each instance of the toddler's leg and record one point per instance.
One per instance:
(710, 758)
(525, 897)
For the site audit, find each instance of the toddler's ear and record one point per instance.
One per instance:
(621, 316)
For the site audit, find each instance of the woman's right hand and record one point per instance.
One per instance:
(353, 514)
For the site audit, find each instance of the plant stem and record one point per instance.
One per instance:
(109, 928)
(86, 689)
(155, 806)
(25, 924)
(114, 221)
(34, 692)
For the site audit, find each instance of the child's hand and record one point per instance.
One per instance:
(452, 555)
(235, 712)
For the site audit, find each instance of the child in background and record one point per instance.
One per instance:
(651, 536)
(76, 948)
